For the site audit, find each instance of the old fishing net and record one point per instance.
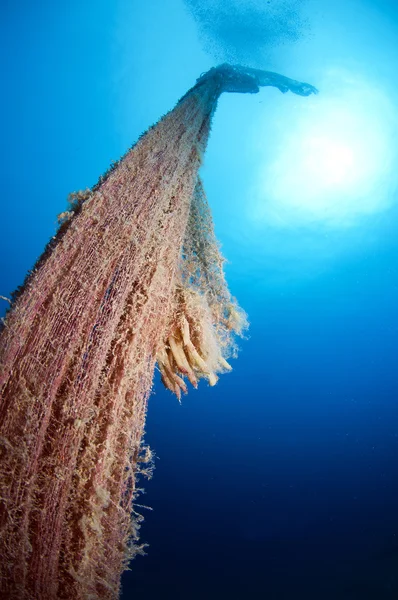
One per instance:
(78, 351)
(133, 276)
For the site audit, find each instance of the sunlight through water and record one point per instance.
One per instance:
(335, 158)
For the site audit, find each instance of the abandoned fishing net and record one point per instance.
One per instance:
(134, 276)
(78, 351)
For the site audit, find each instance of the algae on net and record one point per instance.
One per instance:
(134, 275)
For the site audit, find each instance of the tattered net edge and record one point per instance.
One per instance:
(205, 320)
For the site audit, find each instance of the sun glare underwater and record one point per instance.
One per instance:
(334, 161)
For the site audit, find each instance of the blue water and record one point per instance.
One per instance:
(281, 482)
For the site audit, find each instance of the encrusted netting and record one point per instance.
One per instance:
(202, 328)
(113, 292)
(203, 272)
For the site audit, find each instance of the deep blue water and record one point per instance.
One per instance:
(281, 482)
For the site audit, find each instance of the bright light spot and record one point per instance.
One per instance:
(335, 158)
(330, 160)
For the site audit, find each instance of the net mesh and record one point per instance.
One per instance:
(205, 319)
(134, 275)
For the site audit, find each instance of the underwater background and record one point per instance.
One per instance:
(281, 482)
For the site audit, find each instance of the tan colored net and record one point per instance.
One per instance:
(201, 327)
(134, 273)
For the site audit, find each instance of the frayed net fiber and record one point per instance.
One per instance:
(134, 275)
